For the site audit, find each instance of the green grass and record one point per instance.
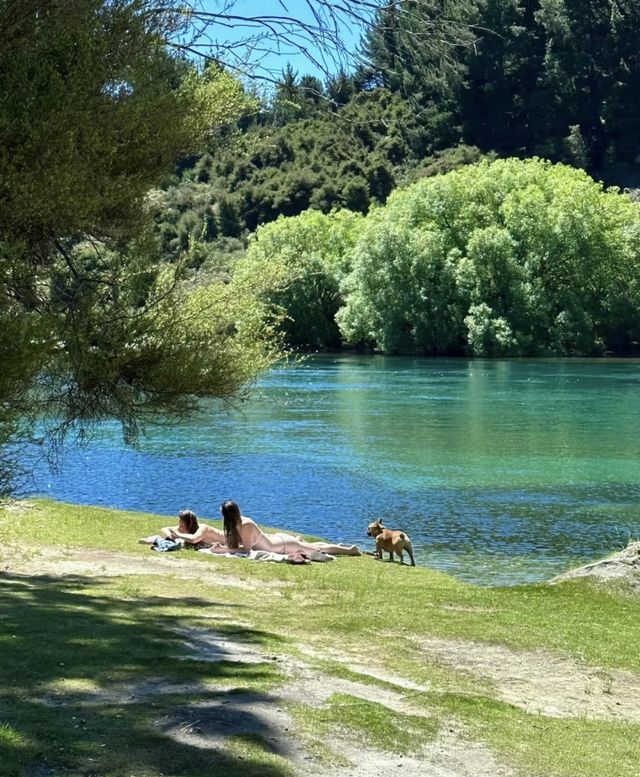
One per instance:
(13, 748)
(82, 667)
(257, 752)
(370, 721)
(537, 745)
(88, 660)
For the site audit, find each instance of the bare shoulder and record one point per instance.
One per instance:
(248, 527)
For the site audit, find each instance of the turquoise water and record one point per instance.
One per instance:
(501, 471)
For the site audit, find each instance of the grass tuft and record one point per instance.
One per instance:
(376, 724)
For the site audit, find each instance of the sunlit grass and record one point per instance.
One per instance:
(95, 658)
(542, 745)
(376, 724)
(13, 747)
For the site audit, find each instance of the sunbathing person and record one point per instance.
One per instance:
(191, 531)
(242, 531)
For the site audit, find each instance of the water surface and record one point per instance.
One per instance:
(501, 471)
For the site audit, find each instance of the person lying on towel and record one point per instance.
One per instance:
(191, 531)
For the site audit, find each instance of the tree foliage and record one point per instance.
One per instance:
(549, 78)
(504, 258)
(306, 257)
(351, 158)
(95, 108)
(419, 49)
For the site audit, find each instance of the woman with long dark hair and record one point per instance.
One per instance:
(240, 530)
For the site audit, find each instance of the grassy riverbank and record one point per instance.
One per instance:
(116, 661)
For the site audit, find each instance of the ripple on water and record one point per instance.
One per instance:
(500, 471)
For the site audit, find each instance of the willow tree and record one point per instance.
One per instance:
(96, 105)
(304, 259)
(505, 258)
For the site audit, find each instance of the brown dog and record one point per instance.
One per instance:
(391, 541)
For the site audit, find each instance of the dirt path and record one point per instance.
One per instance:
(541, 682)
(219, 714)
(52, 560)
(537, 681)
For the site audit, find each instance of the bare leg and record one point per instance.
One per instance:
(289, 544)
(166, 532)
(292, 545)
(335, 550)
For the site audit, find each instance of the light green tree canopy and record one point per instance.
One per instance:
(305, 257)
(509, 257)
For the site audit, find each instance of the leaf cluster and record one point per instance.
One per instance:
(96, 105)
(504, 258)
(348, 158)
(306, 257)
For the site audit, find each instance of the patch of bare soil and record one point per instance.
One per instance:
(17, 506)
(207, 724)
(207, 645)
(543, 682)
(621, 567)
(316, 687)
(51, 560)
(451, 755)
(354, 664)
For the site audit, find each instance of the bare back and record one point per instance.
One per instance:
(211, 535)
(253, 538)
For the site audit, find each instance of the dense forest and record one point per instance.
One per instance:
(549, 78)
(444, 268)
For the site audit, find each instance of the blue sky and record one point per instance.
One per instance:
(269, 56)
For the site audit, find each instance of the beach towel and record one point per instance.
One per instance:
(163, 546)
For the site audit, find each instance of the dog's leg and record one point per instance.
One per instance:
(401, 556)
(391, 556)
(409, 549)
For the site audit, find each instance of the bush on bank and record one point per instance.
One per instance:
(307, 256)
(504, 258)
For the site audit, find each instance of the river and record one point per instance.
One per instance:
(500, 471)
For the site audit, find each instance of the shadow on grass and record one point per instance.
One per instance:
(104, 684)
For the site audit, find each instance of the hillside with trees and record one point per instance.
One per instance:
(522, 78)
(509, 258)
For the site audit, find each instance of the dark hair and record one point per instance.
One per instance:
(188, 519)
(230, 520)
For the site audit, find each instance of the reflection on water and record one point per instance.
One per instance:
(501, 471)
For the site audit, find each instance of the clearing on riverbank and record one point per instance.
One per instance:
(118, 661)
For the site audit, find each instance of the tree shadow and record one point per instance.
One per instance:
(91, 681)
